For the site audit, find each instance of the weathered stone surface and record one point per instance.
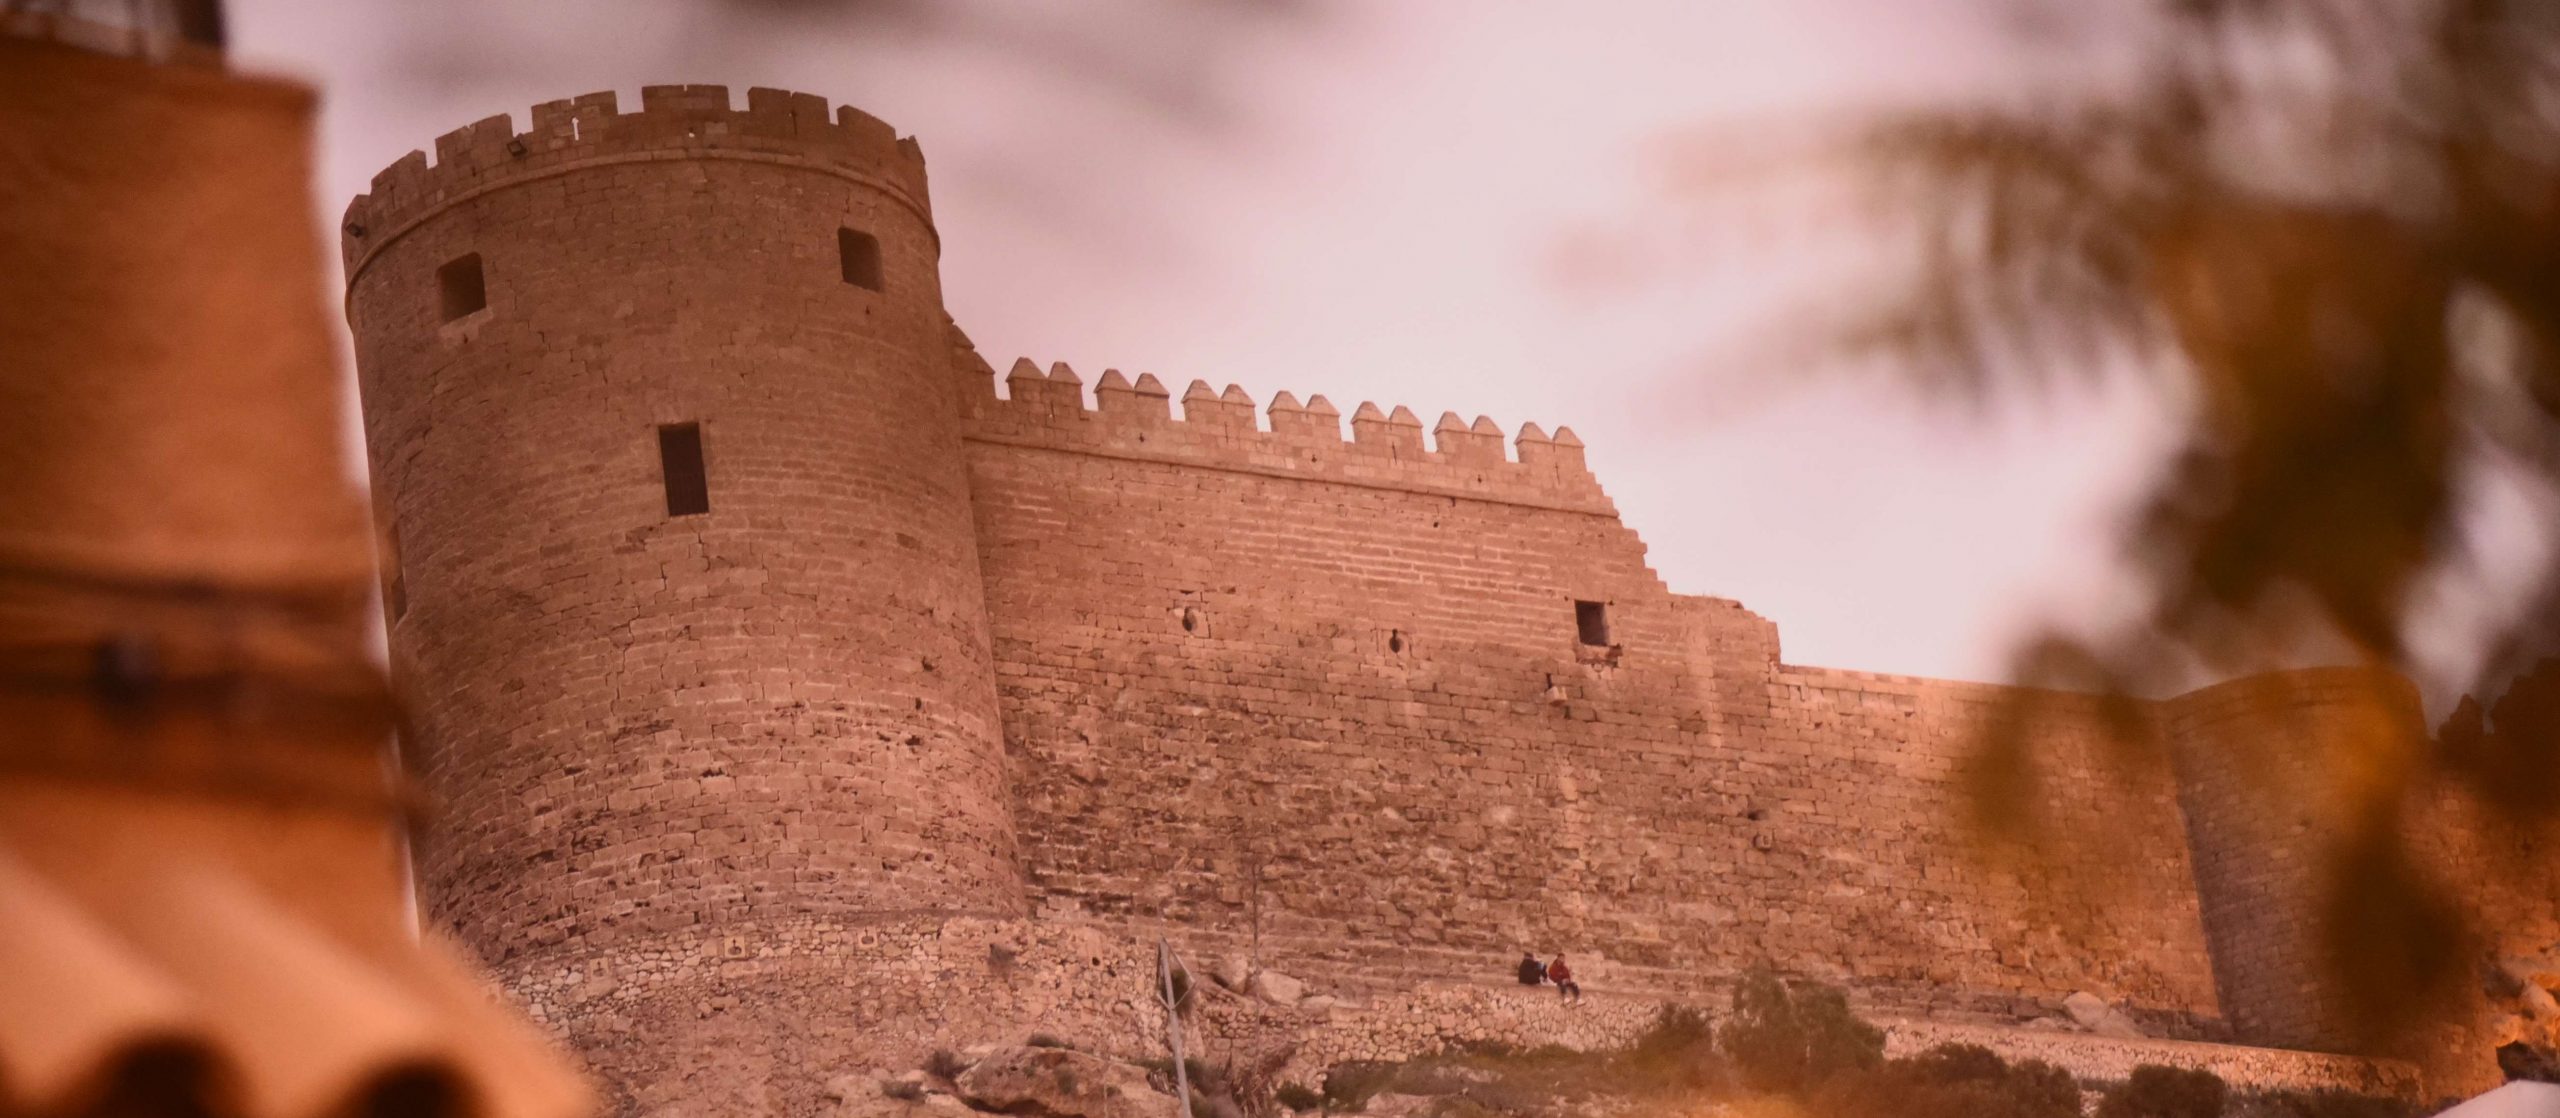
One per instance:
(2093, 1013)
(845, 1088)
(1232, 972)
(2534, 978)
(1277, 988)
(1060, 1083)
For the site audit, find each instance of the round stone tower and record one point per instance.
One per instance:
(680, 575)
(2265, 768)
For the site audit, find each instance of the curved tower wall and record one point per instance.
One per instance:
(2260, 761)
(659, 735)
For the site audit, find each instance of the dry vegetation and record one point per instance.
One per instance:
(1787, 1050)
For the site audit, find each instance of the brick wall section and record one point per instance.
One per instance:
(638, 723)
(1682, 803)
(1868, 770)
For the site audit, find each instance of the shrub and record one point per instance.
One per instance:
(944, 1064)
(1350, 1086)
(1836, 1040)
(1044, 1040)
(1677, 1031)
(2154, 1091)
(1212, 1076)
(903, 1089)
(1678, 1051)
(1956, 1081)
(1298, 1096)
(1789, 1038)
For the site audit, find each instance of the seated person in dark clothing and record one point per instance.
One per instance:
(1532, 972)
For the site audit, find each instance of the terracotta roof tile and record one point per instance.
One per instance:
(203, 985)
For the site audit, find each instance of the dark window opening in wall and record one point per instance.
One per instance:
(461, 287)
(861, 253)
(1395, 641)
(1190, 620)
(1591, 621)
(680, 460)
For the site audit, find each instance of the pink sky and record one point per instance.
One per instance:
(1373, 213)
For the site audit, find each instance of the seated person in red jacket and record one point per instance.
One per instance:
(1562, 976)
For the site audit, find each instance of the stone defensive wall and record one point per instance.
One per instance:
(675, 124)
(788, 680)
(1334, 692)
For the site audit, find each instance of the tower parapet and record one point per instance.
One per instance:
(673, 122)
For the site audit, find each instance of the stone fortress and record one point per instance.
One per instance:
(798, 701)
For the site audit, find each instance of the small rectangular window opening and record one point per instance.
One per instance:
(461, 286)
(1591, 622)
(861, 253)
(680, 460)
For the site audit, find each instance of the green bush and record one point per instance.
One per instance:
(2153, 1091)
(1677, 1052)
(1298, 1096)
(1350, 1086)
(1955, 1081)
(1677, 1031)
(1791, 1037)
(1836, 1040)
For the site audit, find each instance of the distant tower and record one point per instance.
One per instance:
(680, 573)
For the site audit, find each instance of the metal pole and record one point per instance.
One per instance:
(1173, 1020)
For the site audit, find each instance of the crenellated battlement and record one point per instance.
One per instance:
(1220, 429)
(688, 121)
